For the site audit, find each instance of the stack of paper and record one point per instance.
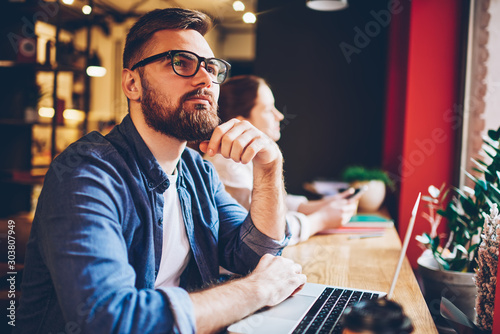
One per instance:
(363, 223)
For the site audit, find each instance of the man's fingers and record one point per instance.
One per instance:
(239, 145)
(215, 141)
(283, 276)
(204, 146)
(304, 279)
(297, 268)
(251, 150)
(241, 142)
(231, 139)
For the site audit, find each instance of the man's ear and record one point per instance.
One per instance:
(131, 85)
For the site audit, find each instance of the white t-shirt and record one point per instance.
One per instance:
(238, 181)
(176, 251)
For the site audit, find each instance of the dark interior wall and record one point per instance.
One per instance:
(333, 104)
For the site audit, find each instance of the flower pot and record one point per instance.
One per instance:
(374, 196)
(456, 286)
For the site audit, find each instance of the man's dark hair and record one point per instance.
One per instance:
(159, 19)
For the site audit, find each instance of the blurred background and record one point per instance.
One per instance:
(404, 86)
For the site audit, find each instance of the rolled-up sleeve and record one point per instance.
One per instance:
(260, 243)
(182, 310)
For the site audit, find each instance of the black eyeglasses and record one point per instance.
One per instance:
(187, 64)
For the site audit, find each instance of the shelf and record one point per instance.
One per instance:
(34, 141)
(60, 68)
(20, 122)
(32, 177)
(40, 67)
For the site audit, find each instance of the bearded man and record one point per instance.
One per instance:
(131, 228)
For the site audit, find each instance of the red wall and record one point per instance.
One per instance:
(423, 85)
(420, 130)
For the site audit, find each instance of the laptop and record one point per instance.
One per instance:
(317, 308)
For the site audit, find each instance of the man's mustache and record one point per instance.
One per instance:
(200, 93)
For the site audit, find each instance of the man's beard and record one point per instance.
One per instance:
(183, 124)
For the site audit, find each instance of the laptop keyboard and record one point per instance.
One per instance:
(324, 315)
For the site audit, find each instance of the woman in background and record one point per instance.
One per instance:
(249, 98)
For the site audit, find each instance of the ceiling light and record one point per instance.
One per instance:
(238, 6)
(94, 68)
(46, 112)
(327, 5)
(74, 115)
(86, 10)
(96, 71)
(68, 2)
(249, 17)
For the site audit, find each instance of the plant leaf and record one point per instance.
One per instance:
(481, 162)
(424, 239)
(462, 249)
(435, 242)
(442, 262)
(495, 135)
(459, 265)
(495, 192)
(433, 191)
(489, 154)
(481, 168)
(492, 145)
(429, 199)
(472, 248)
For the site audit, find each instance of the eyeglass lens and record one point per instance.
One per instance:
(186, 64)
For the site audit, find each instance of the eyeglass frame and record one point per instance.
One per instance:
(150, 59)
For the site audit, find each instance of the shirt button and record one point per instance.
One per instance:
(160, 221)
(150, 184)
(166, 184)
(156, 273)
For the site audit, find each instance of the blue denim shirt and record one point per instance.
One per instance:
(96, 240)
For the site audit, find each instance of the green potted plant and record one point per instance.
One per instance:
(376, 181)
(447, 266)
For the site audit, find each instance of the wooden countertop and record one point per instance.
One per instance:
(364, 264)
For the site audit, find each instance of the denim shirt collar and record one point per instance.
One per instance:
(156, 177)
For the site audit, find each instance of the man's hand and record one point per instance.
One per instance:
(278, 278)
(241, 142)
(272, 281)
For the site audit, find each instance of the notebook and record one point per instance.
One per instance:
(317, 308)
(362, 224)
(369, 220)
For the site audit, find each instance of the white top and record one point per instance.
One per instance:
(176, 251)
(238, 181)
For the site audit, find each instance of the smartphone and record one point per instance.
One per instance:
(357, 191)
